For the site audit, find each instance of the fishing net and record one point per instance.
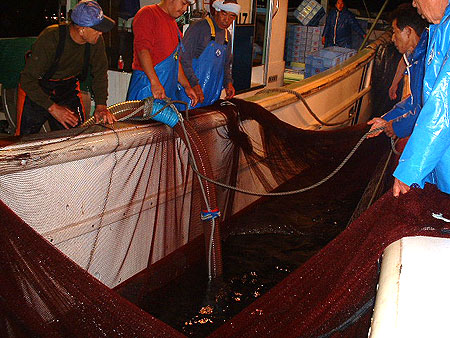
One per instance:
(88, 211)
(44, 292)
(334, 286)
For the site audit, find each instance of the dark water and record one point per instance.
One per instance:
(265, 244)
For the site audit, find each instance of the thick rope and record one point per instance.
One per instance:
(249, 192)
(301, 98)
(292, 192)
(147, 107)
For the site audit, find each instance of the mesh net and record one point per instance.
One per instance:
(340, 280)
(90, 211)
(44, 292)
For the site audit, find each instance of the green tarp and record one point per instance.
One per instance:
(12, 59)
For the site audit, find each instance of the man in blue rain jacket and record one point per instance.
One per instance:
(410, 36)
(206, 58)
(426, 157)
(339, 25)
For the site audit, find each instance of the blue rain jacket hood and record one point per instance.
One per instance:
(345, 24)
(426, 157)
(405, 113)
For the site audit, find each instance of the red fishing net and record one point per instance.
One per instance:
(43, 292)
(333, 285)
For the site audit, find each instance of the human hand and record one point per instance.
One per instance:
(192, 95)
(376, 123)
(63, 115)
(399, 188)
(103, 115)
(393, 91)
(229, 91)
(158, 90)
(199, 92)
(389, 130)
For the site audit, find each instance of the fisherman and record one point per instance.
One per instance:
(207, 56)
(60, 57)
(426, 157)
(339, 25)
(410, 37)
(157, 44)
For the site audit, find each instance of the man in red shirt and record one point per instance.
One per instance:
(157, 43)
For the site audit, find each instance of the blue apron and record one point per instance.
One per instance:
(167, 72)
(209, 69)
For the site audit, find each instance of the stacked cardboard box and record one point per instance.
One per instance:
(296, 37)
(309, 12)
(301, 40)
(318, 61)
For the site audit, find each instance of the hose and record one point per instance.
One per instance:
(165, 111)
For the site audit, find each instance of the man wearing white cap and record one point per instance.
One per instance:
(60, 57)
(157, 43)
(207, 56)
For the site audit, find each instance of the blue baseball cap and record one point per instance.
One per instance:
(88, 13)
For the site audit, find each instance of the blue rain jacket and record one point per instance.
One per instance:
(209, 70)
(345, 23)
(426, 157)
(405, 113)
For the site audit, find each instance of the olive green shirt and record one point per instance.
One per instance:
(70, 64)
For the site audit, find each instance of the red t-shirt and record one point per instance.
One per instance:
(156, 31)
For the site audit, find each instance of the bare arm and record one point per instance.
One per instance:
(63, 115)
(182, 79)
(103, 115)
(229, 91)
(401, 67)
(399, 188)
(147, 65)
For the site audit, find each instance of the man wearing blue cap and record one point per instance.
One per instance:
(49, 84)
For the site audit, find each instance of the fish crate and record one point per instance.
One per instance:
(331, 58)
(311, 70)
(314, 59)
(324, 58)
(309, 12)
(347, 52)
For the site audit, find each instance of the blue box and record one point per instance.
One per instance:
(311, 70)
(331, 57)
(347, 52)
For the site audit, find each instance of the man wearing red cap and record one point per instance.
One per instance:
(157, 43)
(49, 84)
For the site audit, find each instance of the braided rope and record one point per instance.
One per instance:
(301, 98)
(292, 192)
